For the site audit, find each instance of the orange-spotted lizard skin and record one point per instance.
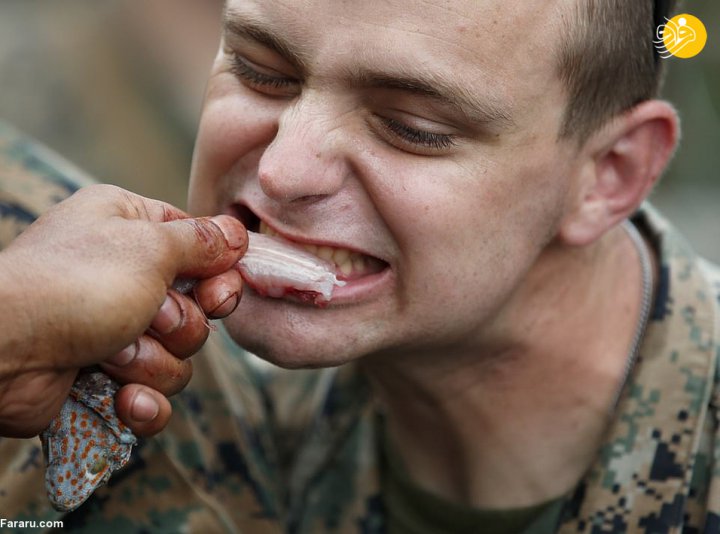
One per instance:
(85, 443)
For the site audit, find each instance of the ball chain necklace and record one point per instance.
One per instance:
(645, 305)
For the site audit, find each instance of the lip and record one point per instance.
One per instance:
(364, 289)
(355, 289)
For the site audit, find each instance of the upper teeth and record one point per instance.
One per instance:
(345, 260)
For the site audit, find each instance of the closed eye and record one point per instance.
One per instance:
(417, 137)
(262, 79)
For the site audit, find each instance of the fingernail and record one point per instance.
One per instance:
(168, 318)
(233, 233)
(144, 408)
(125, 356)
(226, 307)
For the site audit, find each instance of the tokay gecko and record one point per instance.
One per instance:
(85, 443)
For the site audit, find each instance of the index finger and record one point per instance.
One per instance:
(128, 205)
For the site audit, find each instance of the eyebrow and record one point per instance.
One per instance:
(236, 24)
(439, 89)
(429, 85)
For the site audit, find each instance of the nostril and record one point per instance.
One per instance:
(309, 199)
(246, 216)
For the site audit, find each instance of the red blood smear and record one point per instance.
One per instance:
(308, 297)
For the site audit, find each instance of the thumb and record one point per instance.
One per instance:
(203, 247)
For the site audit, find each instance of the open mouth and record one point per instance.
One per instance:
(350, 265)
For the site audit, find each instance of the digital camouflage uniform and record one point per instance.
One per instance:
(257, 450)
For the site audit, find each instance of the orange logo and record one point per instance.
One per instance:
(682, 36)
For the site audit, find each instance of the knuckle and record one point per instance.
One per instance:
(156, 368)
(194, 341)
(177, 376)
(169, 212)
(99, 189)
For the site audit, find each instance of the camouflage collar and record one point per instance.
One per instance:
(642, 474)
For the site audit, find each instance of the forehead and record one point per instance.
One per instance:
(494, 46)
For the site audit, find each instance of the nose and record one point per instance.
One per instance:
(304, 161)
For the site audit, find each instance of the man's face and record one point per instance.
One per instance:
(418, 136)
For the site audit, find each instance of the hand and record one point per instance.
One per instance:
(89, 282)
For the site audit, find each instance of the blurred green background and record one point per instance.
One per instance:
(689, 193)
(115, 86)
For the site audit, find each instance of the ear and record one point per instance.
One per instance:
(619, 166)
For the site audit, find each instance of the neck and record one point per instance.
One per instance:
(514, 418)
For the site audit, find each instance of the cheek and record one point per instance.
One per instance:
(232, 126)
(468, 233)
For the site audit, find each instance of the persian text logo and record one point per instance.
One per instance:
(682, 36)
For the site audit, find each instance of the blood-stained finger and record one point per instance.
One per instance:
(219, 296)
(180, 325)
(148, 362)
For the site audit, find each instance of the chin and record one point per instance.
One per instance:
(288, 353)
(292, 336)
